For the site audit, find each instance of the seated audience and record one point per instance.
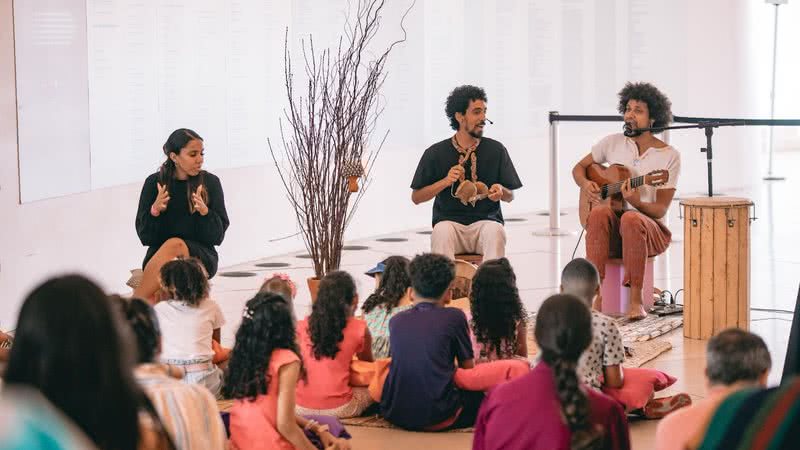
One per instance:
(754, 419)
(188, 411)
(190, 321)
(735, 360)
(419, 392)
(84, 368)
(600, 367)
(499, 330)
(328, 340)
(392, 296)
(264, 368)
(548, 408)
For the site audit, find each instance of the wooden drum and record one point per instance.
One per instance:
(716, 265)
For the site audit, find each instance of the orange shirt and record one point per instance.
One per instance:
(328, 385)
(254, 423)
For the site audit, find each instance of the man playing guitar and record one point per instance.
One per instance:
(638, 232)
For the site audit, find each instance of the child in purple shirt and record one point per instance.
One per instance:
(419, 393)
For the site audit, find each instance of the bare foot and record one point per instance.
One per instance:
(636, 313)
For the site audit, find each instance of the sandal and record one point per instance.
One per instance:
(660, 407)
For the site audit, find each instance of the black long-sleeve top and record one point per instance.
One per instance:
(201, 233)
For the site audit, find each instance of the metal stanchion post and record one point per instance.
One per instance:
(777, 3)
(555, 218)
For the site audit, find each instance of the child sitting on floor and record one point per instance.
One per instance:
(499, 330)
(328, 339)
(419, 392)
(281, 284)
(600, 366)
(548, 408)
(262, 375)
(190, 321)
(392, 296)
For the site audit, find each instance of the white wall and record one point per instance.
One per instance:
(531, 57)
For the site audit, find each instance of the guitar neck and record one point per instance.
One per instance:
(616, 188)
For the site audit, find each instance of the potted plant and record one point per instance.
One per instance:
(326, 132)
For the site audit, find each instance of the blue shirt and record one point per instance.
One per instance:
(425, 340)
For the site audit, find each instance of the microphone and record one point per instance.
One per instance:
(629, 131)
(487, 119)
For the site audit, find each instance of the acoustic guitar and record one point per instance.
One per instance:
(610, 179)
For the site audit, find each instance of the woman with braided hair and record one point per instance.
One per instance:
(549, 408)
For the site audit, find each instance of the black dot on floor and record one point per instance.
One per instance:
(424, 232)
(273, 265)
(237, 274)
(392, 239)
(306, 256)
(355, 247)
(516, 219)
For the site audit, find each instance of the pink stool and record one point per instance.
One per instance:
(616, 296)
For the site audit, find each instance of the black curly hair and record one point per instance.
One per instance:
(267, 325)
(330, 312)
(658, 105)
(458, 101)
(143, 322)
(563, 332)
(496, 308)
(185, 279)
(431, 275)
(393, 286)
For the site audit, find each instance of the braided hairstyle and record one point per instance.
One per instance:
(267, 325)
(563, 332)
(496, 308)
(330, 312)
(185, 279)
(176, 142)
(394, 284)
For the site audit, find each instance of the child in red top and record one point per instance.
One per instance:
(262, 374)
(329, 338)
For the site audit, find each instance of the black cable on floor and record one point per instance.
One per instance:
(577, 244)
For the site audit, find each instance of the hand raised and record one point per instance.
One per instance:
(197, 201)
(162, 198)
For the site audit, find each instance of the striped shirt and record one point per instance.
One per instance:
(188, 411)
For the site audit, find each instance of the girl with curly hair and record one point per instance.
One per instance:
(190, 323)
(548, 408)
(499, 329)
(329, 338)
(262, 375)
(392, 296)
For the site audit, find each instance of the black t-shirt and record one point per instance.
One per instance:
(494, 166)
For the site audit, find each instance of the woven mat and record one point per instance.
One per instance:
(374, 421)
(648, 328)
(377, 421)
(634, 332)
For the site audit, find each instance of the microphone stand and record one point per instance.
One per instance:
(709, 130)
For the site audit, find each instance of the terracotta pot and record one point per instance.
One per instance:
(313, 288)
